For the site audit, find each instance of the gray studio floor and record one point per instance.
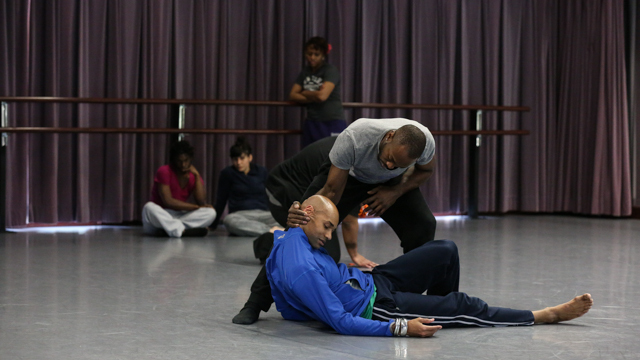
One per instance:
(110, 293)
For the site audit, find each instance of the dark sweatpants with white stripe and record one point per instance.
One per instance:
(435, 266)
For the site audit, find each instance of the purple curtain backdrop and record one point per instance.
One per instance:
(563, 59)
(633, 65)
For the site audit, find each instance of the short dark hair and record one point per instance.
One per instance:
(318, 43)
(179, 148)
(240, 147)
(413, 138)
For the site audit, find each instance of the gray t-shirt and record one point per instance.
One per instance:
(357, 149)
(330, 109)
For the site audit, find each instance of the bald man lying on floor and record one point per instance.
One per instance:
(307, 284)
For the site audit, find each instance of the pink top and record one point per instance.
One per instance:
(166, 176)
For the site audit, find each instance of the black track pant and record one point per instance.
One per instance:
(435, 268)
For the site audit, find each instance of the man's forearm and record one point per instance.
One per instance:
(413, 180)
(350, 237)
(334, 186)
(333, 194)
(352, 248)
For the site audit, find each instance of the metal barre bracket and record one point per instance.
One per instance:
(4, 121)
(181, 120)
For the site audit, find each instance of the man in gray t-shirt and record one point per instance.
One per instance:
(357, 149)
(368, 165)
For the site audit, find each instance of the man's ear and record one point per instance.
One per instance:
(390, 135)
(309, 210)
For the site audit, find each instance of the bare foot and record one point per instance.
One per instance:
(577, 307)
(276, 228)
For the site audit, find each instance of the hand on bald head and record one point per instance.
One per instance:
(318, 204)
(324, 220)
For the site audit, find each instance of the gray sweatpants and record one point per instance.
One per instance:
(174, 222)
(249, 222)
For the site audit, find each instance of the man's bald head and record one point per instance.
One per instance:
(324, 219)
(321, 204)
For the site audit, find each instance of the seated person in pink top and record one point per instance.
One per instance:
(173, 185)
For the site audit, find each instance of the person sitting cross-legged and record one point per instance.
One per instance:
(169, 212)
(307, 284)
(242, 186)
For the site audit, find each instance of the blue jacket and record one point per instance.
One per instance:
(306, 284)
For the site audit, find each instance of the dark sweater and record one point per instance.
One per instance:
(242, 192)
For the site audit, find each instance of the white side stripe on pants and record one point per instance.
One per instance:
(439, 320)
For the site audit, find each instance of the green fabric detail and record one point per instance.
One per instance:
(368, 311)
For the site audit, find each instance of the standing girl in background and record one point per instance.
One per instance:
(318, 88)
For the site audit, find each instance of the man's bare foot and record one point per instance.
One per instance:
(276, 228)
(577, 307)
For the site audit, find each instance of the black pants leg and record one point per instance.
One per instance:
(456, 309)
(435, 266)
(411, 219)
(262, 246)
(260, 292)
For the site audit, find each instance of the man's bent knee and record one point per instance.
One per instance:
(449, 245)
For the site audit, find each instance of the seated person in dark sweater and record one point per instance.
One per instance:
(242, 186)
